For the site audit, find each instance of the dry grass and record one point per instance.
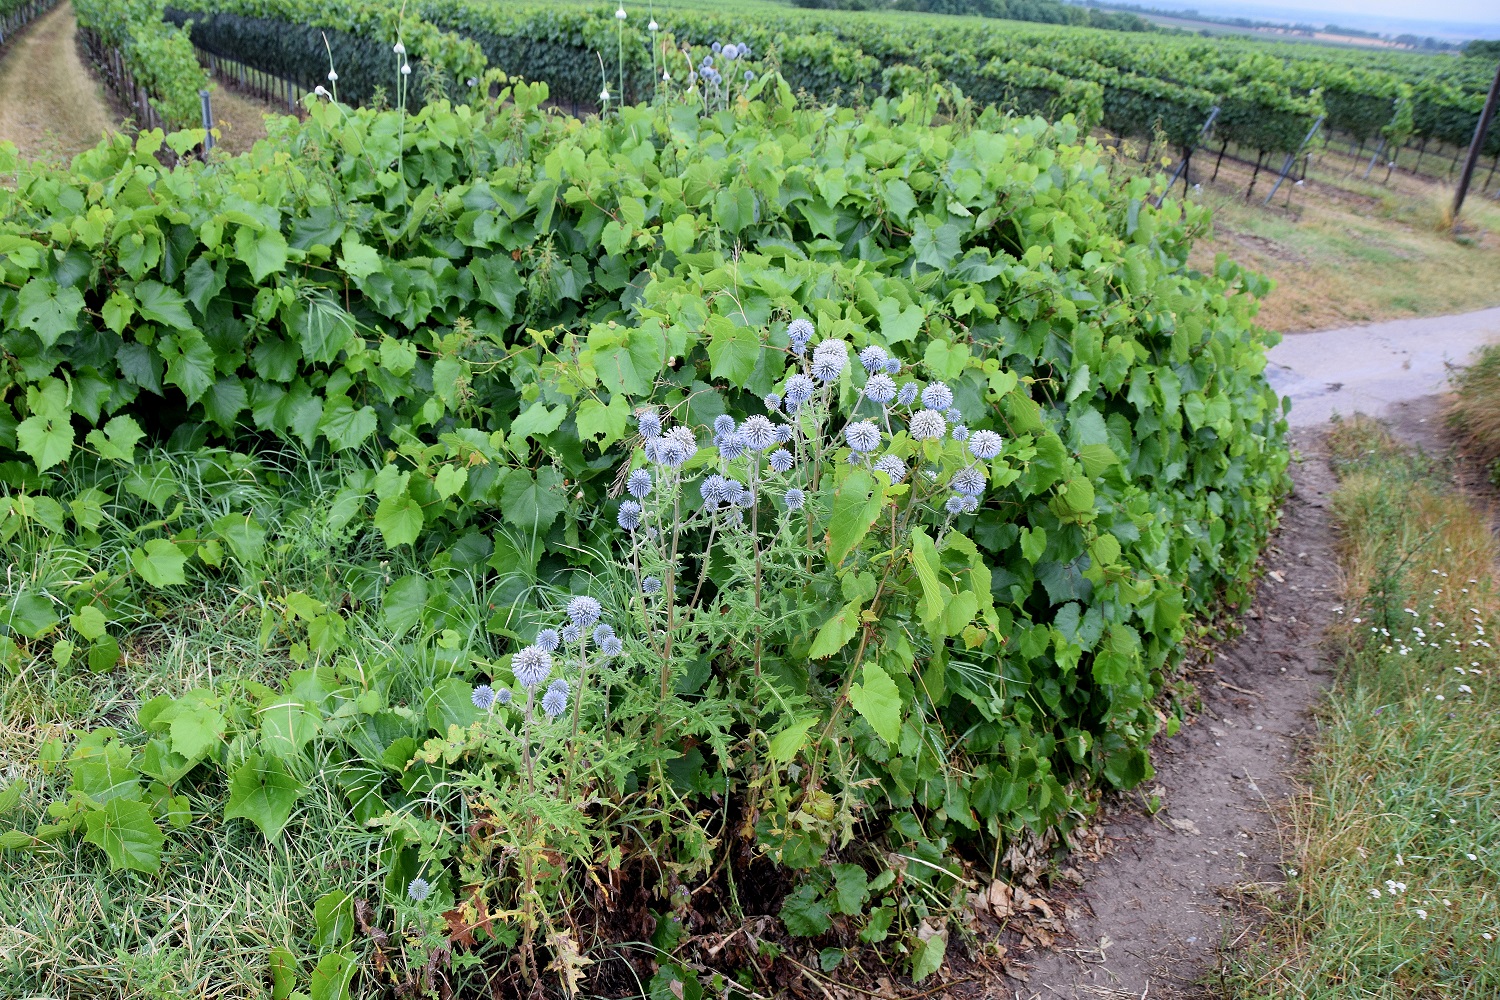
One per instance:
(1393, 887)
(1345, 251)
(1474, 408)
(50, 104)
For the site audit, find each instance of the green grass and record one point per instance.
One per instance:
(69, 927)
(1393, 878)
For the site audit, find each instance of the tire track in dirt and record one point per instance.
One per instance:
(1152, 916)
(50, 104)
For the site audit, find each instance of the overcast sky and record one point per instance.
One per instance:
(1441, 17)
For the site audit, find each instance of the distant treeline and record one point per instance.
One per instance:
(1043, 11)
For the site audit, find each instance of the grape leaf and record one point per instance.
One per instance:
(161, 304)
(159, 563)
(262, 791)
(49, 310)
(879, 701)
(399, 519)
(127, 834)
(533, 504)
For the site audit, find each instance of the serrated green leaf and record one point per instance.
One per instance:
(46, 435)
(127, 834)
(160, 304)
(190, 363)
(857, 503)
(346, 426)
(160, 563)
(533, 504)
(117, 440)
(196, 729)
(603, 424)
(785, 744)
(286, 726)
(357, 260)
(31, 614)
(399, 519)
(836, 632)
(733, 350)
(244, 536)
(47, 309)
(263, 792)
(879, 701)
(927, 956)
(263, 252)
(401, 608)
(537, 421)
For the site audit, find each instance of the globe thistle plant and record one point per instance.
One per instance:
(794, 499)
(985, 445)
(584, 611)
(547, 639)
(799, 389)
(969, 481)
(907, 394)
(937, 396)
(830, 358)
(863, 437)
(629, 516)
(881, 388)
(724, 424)
(648, 422)
(759, 432)
(781, 461)
(531, 666)
(873, 358)
(927, 425)
(555, 702)
(892, 466)
(483, 697)
(418, 889)
(960, 433)
(638, 484)
(650, 585)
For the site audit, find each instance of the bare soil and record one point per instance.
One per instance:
(50, 104)
(1152, 917)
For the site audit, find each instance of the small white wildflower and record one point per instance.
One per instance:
(333, 77)
(1375, 893)
(406, 69)
(620, 14)
(399, 49)
(1465, 689)
(1421, 913)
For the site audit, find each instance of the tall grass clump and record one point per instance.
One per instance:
(1393, 881)
(1474, 407)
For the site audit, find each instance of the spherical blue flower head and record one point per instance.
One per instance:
(784, 433)
(773, 402)
(611, 646)
(602, 632)
(893, 366)
(560, 685)
(968, 481)
(937, 396)
(985, 445)
(629, 517)
(584, 611)
(638, 484)
(928, 425)
(960, 433)
(781, 460)
(881, 388)
(554, 702)
(799, 389)
(749, 75)
(732, 490)
(799, 331)
(730, 51)
(650, 585)
(892, 466)
(760, 432)
(795, 498)
(862, 437)
(971, 504)
(676, 446)
(723, 424)
(571, 634)
(829, 359)
(653, 453)
(483, 697)
(418, 889)
(746, 498)
(955, 504)
(547, 638)
(732, 446)
(648, 422)
(715, 490)
(531, 666)
(907, 394)
(873, 358)
(954, 414)
(503, 696)
(717, 47)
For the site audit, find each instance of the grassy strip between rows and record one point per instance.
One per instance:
(1392, 885)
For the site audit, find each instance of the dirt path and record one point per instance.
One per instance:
(1151, 917)
(50, 103)
(1370, 368)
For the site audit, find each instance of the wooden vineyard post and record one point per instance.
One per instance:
(1254, 176)
(1219, 162)
(1187, 156)
(1292, 157)
(1476, 145)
